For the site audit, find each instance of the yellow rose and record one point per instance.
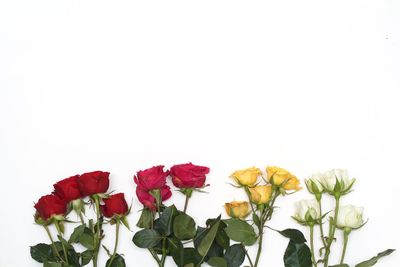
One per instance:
(237, 209)
(247, 176)
(260, 194)
(281, 177)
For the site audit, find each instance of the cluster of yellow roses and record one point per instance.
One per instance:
(276, 181)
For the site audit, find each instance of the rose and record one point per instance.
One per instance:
(260, 194)
(148, 200)
(246, 177)
(307, 211)
(189, 175)
(68, 189)
(237, 209)
(114, 205)
(152, 178)
(350, 217)
(283, 178)
(50, 206)
(92, 183)
(337, 182)
(313, 184)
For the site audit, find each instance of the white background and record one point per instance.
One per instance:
(122, 86)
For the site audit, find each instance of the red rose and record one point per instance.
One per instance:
(148, 200)
(50, 205)
(189, 175)
(152, 178)
(68, 189)
(93, 183)
(114, 205)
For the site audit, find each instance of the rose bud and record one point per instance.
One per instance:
(283, 178)
(189, 175)
(314, 185)
(50, 206)
(148, 200)
(114, 205)
(350, 216)
(336, 182)
(246, 177)
(152, 178)
(92, 183)
(260, 194)
(307, 212)
(68, 189)
(237, 209)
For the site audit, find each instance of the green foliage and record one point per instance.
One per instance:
(184, 227)
(146, 238)
(240, 231)
(375, 259)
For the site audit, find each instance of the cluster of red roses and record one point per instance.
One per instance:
(184, 176)
(72, 190)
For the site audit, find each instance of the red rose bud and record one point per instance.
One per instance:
(49, 206)
(152, 178)
(68, 189)
(92, 183)
(114, 205)
(189, 175)
(148, 200)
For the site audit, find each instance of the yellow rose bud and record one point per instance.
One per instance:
(260, 194)
(281, 177)
(247, 176)
(237, 209)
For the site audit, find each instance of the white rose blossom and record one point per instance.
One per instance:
(307, 211)
(313, 183)
(329, 180)
(350, 216)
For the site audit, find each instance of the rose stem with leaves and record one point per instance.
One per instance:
(97, 237)
(56, 223)
(332, 230)
(117, 224)
(53, 246)
(321, 229)
(265, 215)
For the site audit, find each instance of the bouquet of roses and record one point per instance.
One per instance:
(75, 193)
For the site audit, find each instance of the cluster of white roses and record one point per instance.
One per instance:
(334, 183)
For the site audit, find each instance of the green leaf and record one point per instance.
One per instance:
(73, 257)
(117, 261)
(146, 219)
(86, 257)
(174, 245)
(42, 253)
(87, 239)
(217, 262)
(340, 265)
(76, 234)
(294, 235)
(146, 238)
(166, 219)
(208, 239)
(52, 264)
(186, 256)
(297, 255)
(375, 259)
(235, 255)
(241, 231)
(256, 219)
(184, 227)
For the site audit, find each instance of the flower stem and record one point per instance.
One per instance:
(187, 197)
(247, 255)
(164, 252)
(53, 246)
(81, 218)
(331, 233)
(62, 244)
(321, 229)
(116, 242)
(154, 254)
(312, 245)
(345, 241)
(261, 235)
(97, 238)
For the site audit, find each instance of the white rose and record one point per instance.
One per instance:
(307, 211)
(350, 216)
(330, 178)
(313, 183)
